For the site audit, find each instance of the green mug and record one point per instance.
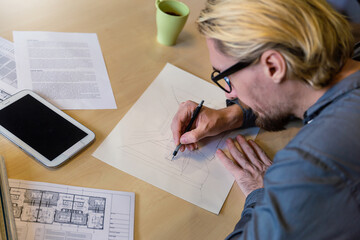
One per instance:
(171, 17)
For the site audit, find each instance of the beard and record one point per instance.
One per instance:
(273, 123)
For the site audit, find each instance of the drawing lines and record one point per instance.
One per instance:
(189, 167)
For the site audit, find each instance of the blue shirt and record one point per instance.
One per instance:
(312, 189)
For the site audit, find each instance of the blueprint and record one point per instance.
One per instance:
(142, 145)
(52, 211)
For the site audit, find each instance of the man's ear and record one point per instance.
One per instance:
(274, 65)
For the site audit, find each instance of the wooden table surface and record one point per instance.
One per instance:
(127, 33)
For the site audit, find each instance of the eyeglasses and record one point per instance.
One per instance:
(221, 78)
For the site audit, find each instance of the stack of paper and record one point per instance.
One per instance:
(67, 69)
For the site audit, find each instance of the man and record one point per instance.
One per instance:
(285, 59)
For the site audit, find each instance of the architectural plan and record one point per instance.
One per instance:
(8, 77)
(52, 211)
(141, 144)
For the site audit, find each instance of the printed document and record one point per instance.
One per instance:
(67, 69)
(141, 144)
(8, 78)
(53, 211)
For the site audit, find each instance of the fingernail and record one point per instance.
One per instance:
(239, 137)
(191, 147)
(182, 148)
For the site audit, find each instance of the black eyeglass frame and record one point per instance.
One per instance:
(224, 74)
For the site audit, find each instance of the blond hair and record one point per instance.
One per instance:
(314, 39)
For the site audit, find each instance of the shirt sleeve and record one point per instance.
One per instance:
(251, 200)
(300, 200)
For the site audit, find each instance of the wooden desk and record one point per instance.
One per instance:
(127, 33)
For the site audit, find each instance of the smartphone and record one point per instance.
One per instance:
(43, 131)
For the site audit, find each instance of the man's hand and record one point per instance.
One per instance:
(209, 122)
(250, 165)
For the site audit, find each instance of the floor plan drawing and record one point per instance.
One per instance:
(55, 207)
(52, 211)
(142, 145)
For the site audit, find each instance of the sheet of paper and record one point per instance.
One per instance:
(8, 78)
(53, 211)
(68, 69)
(141, 143)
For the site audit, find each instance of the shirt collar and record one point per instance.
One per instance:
(344, 86)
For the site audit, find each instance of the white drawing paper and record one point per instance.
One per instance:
(67, 69)
(53, 211)
(141, 144)
(8, 77)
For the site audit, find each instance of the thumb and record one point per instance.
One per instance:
(192, 136)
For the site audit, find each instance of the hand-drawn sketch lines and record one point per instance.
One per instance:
(53, 211)
(141, 144)
(157, 137)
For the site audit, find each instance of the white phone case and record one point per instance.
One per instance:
(62, 157)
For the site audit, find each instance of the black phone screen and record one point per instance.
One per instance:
(40, 127)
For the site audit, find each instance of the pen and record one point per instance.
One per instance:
(193, 117)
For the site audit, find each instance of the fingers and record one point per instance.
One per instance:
(181, 118)
(250, 156)
(262, 155)
(190, 147)
(192, 136)
(249, 151)
(249, 166)
(236, 154)
(176, 133)
(179, 123)
(228, 163)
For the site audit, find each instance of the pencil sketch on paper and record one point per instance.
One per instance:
(141, 144)
(159, 139)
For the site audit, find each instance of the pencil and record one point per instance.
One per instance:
(188, 127)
